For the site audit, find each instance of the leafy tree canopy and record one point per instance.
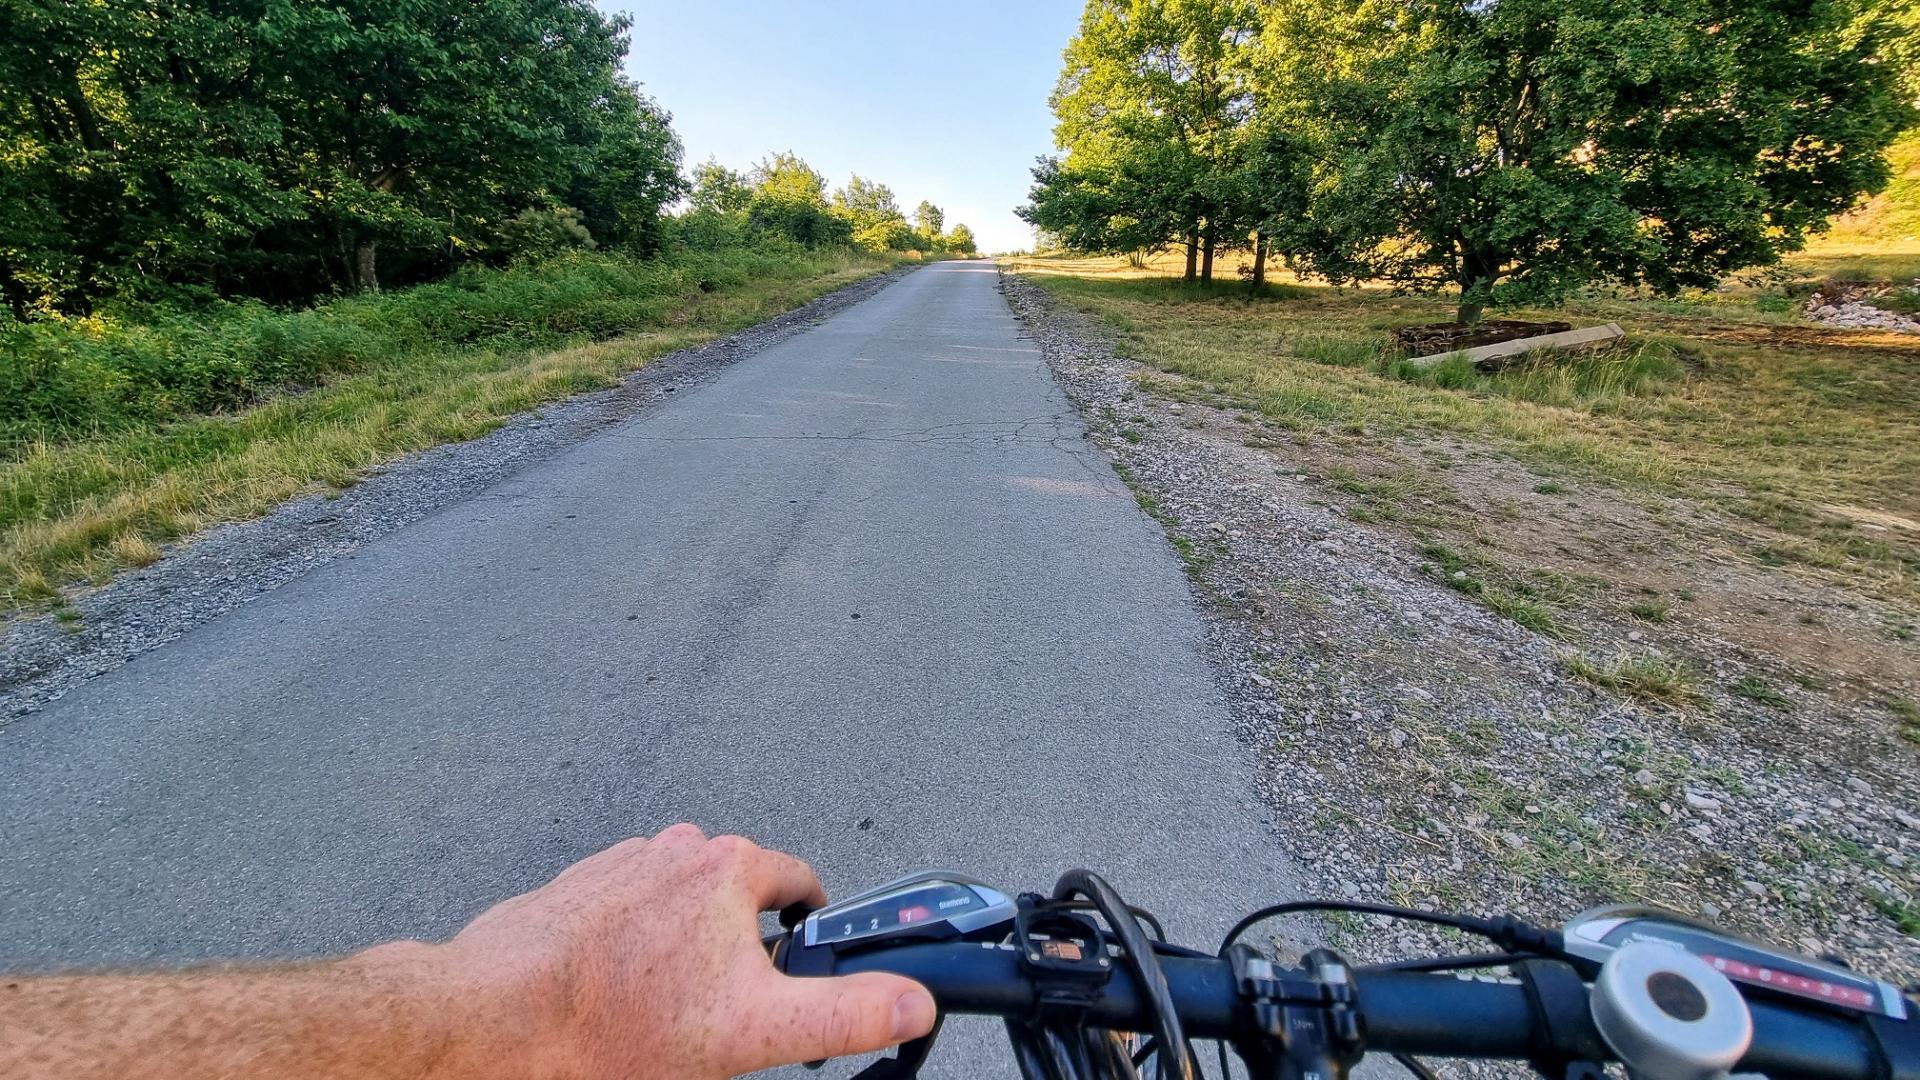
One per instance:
(274, 147)
(790, 200)
(1150, 105)
(1514, 149)
(1518, 149)
(930, 221)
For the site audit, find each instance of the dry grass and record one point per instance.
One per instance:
(82, 510)
(1799, 430)
(1655, 678)
(1880, 240)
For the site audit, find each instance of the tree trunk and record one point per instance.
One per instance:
(1206, 255)
(1259, 261)
(1478, 271)
(365, 277)
(82, 109)
(1193, 250)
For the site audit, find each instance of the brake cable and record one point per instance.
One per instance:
(1512, 934)
(1176, 1058)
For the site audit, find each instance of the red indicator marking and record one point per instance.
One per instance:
(916, 913)
(1793, 984)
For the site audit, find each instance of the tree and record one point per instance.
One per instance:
(456, 111)
(138, 151)
(1892, 29)
(930, 221)
(960, 241)
(1520, 149)
(1103, 206)
(1148, 106)
(720, 190)
(790, 200)
(873, 215)
(629, 170)
(282, 149)
(1267, 184)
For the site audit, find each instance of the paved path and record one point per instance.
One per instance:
(868, 596)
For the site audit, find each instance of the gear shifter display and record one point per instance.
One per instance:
(923, 905)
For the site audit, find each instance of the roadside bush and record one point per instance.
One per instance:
(63, 378)
(542, 233)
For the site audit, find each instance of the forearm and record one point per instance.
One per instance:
(400, 1010)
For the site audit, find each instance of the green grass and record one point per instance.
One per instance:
(1526, 611)
(1653, 610)
(1712, 399)
(1594, 382)
(1908, 714)
(1655, 678)
(79, 505)
(1530, 601)
(1754, 688)
(1904, 914)
(86, 377)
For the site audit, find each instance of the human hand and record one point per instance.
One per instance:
(645, 960)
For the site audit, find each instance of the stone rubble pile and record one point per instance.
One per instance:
(1856, 313)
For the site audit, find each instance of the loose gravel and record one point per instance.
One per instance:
(218, 570)
(1416, 748)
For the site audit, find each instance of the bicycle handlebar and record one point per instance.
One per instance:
(1404, 1012)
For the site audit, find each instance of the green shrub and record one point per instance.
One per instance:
(62, 379)
(542, 233)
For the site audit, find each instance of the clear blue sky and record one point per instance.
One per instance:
(941, 101)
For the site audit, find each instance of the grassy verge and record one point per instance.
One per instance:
(1812, 435)
(87, 493)
(1880, 240)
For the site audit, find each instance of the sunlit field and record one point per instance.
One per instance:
(1724, 397)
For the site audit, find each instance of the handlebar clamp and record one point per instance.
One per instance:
(1308, 1021)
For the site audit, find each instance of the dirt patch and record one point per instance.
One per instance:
(1768, 335)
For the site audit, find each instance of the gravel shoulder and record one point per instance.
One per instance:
(1418, 748)
(224, 567)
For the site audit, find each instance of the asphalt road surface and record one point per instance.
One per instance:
(868, 596)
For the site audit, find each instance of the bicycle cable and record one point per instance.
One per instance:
(1176, 1057)
(1512, 934)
